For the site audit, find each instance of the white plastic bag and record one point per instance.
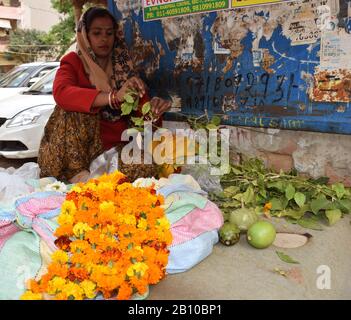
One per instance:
(106, 162)
(13, 181)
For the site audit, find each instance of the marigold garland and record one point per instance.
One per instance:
(112, 239)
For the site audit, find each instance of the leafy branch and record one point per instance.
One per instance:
(299, 199)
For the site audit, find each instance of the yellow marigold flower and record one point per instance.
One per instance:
(55, 285)
(64, 218)
(90, 186)
(163, 223)
(29, 295)
(60, 256)
(89, 288)
(74, 290)
(142, 224)
(138, 248)
(77, 188)
(80, 228)
(104, 186)
(68, 207)
(129, 219)
(107, 206)
(138, 267)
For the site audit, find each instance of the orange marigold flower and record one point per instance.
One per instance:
(267, 206)
(124, 292)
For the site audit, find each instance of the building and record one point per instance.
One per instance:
(25, 14)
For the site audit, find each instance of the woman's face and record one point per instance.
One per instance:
(101, 36)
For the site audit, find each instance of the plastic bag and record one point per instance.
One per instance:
(106, 162)
(13, 181)
(202, 174)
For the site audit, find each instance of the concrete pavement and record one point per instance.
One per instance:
(243, 272)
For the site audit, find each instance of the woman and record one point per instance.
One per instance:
(89, 88)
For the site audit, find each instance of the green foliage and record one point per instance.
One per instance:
(29, 44)
(62, 6)
(300, 200)
(204, 122)
(130, 106)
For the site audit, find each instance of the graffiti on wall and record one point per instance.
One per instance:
(284, 65)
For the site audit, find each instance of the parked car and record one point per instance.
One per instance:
(23, 76)
(23, 117)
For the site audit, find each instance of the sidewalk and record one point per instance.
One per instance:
(243, 272)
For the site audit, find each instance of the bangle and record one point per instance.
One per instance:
(109, 99)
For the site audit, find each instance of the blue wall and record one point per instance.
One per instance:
(245, 94)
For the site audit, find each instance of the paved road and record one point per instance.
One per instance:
(16, 163)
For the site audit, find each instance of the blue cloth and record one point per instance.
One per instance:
(186, 255)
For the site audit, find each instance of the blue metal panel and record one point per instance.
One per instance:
(245, 94)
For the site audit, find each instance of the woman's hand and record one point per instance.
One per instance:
(133, 83)
(159, 106)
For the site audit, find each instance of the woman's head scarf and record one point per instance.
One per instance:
(118, 70)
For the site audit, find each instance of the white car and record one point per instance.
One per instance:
(23, 76)
(23, 117)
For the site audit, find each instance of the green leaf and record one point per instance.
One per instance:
(236, 171)
(333, 216)
(276, 204)
(216, 120)
(309, 223)
(263, 192)
(231, 191)
(344, 205)
(291, 213)
(136, 104)
(290, 192)
(284, 257)
(321, 203)
(146, 108)
(231, 204)
(238, 196)
(137, 121)
(300, 199)
(276, 185)
(248, 195)
(127, 97)
(126, 108)
(339, 189)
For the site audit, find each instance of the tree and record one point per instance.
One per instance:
(28, 45)
(64, 31)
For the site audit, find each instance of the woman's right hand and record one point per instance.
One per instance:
(133, 83)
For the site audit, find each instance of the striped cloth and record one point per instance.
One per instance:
(196, 222)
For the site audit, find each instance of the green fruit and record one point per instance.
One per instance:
(229, 234)
(243, 218)
(261, 234)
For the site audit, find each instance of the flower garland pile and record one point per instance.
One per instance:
(112, 239)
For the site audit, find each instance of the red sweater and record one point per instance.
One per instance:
(73, 91)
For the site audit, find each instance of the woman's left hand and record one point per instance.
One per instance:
(159, 106)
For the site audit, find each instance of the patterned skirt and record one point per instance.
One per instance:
(72, 141)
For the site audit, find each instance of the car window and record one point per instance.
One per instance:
(44, 85)
(14, 78)
(42, 72)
